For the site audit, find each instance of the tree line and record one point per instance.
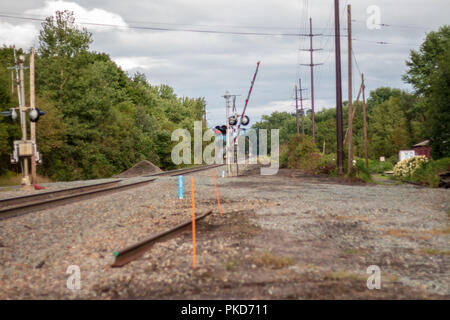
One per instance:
(99, 120)
(396, 119)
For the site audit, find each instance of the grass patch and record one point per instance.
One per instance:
(434, 252)
(267, 259)
(414, 235)
(230, 265)
(376, 166)
(344, 275)
(437, 232)
(13, 179)
(351, 251)
(401, 233)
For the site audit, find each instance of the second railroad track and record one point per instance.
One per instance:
(11, 207)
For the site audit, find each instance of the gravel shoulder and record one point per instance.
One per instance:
(286, 236)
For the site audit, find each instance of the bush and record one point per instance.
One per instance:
(407, 167)
(301, 153)
(428, 173)
(360, 171)
(327, 164)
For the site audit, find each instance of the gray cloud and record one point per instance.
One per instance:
(208, 64)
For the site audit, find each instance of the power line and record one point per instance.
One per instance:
(181, 24)
(242, 33)
(394, 25)
(167, 29)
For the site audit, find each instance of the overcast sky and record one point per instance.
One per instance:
(205, 64)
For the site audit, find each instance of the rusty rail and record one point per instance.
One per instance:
(184, 170)
(135, 251)
(50, 203)
(8, 202)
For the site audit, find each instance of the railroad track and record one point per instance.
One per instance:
(53, 194)
(181, 171)
(50, 202)
(31, 203)
(130, 253)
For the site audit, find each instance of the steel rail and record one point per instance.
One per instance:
(50, 203)
(52, 194)
(132, 252)
(184, 170)
(41, 201)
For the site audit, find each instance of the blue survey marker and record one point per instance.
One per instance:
(180, 187)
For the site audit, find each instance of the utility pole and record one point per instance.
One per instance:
(339, 127)
(228, 155)
(311, 65)
(22, 106)
(301, 105)
(26, 177)
(366, 151)
(32, 123)
(350, 118)
(355, 107)
(296, 109)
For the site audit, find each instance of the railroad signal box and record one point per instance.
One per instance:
(23, 149)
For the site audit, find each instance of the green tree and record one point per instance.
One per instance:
(429, 73)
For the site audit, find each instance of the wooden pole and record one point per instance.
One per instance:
(32, 124)
(26, 176)
(312, 81)
(339, 127)
(228, 143)
(350, 113)
(354, 112)
(366, 148)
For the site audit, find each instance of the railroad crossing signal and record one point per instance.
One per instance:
(11, 113)
(35, 114)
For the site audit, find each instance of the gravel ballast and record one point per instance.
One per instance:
(286, 236)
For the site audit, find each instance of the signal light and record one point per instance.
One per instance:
(222, 129)
(35, 114)
(245, 120)
(11, 113)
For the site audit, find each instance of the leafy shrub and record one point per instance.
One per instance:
(327, 164)
(301, 153)
(428, 173)
(360, 171)
(407, 167)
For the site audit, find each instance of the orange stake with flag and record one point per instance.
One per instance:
(193, 224)
(217, 193)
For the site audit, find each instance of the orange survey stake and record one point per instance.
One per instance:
(193, 224)
(217, 193)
